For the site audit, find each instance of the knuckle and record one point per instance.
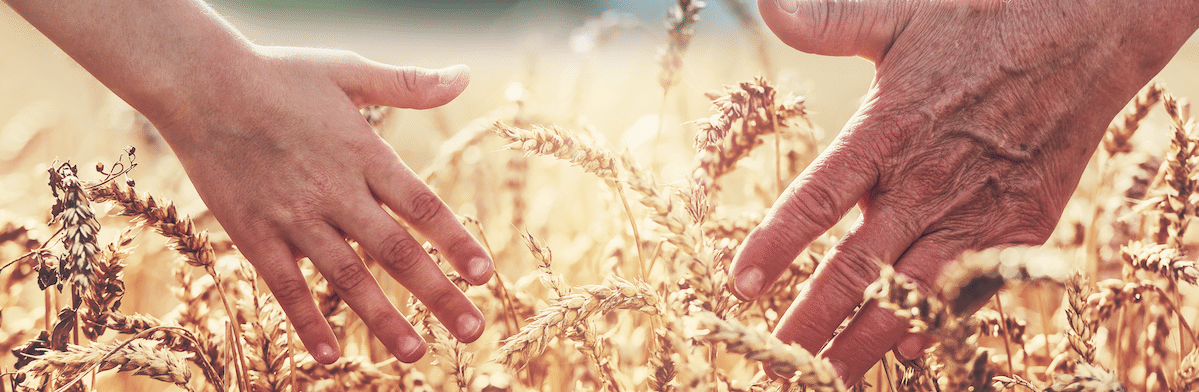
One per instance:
(407, 79)
(424, 207)
(815, 205)
(344, 56)
(400, 253)
(349, 278)
(1028, 228)
(853, 269)
(291, 293)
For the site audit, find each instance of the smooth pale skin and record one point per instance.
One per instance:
(274, 143)
(975, 131)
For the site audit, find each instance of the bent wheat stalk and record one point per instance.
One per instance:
(570, 310)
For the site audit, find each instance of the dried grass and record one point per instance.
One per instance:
(612, 272)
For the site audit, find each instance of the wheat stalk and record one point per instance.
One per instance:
(789, 361)
(108, 287)
(1161, 259)
(582, 303)
(1082, 328)
(182, 237)
(80, 228)
(347, 372)
(680, 30)
(139, 355)
(1086, 377)
(1119, 133)
(565, 145)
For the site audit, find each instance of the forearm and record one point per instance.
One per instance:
(151, 53)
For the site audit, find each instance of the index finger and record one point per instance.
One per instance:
(814, 202)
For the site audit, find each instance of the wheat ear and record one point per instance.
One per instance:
(139, 355)
(574, 308)
(80, 227)
(786, 360)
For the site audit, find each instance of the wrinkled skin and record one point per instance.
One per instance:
(979, 122)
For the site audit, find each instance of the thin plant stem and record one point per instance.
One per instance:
(48, 306)
(641, 273)
(887, 373)
(1004, 331)
(291, 359)
(1119, 338)
(510, 316)
(1045, 318)
(653, 160)
(778, 154)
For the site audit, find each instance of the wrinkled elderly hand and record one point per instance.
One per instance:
(980, 120)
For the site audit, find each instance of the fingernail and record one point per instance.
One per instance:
(411, 349)
(469, 326)
(325, 353)
(749, 282)
(480, 269)
(911, 347)
(841, 369)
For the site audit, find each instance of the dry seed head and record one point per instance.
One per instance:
(1115, 293)
(565, 145)
(266, 345)
(1116, 140)
(663, 211)
(994, 325)
(663, 365)
(592, 346)
(80, 228)
(347, 372)
(1188, 372)
(1086, 377)
(108, 287)
(965, 366)
(745, 113)
(1162, 259)
(544, 260)
(679, 29)
(140, 355)
(575, 308)
(899, 294)
(1082, 327)
(450, 352)
(181, 231)
(1174, 202)
(786, 360)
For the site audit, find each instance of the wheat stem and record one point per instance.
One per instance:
(641, 272)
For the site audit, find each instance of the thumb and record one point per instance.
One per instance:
(836, 27)
(406, 87)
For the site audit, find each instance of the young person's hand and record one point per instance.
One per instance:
(290, 168)
(274, 143)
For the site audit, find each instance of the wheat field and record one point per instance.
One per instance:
(612, 205)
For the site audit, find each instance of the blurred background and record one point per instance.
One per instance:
(582, 64)
(588, 62)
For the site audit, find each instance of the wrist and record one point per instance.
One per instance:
(181, 94)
